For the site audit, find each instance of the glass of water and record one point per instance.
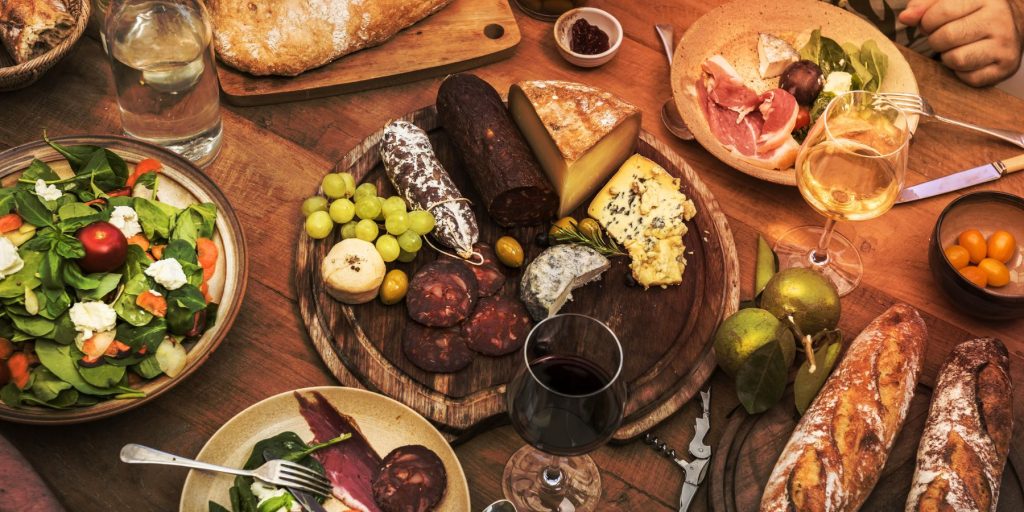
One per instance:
(163, 64)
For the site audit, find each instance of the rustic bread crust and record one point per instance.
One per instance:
(30, 28)
(836, 454)
(287, 37)
(966, 439)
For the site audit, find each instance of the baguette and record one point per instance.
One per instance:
(287, 37)
(967, 437)
(30, 28)
(838, 449)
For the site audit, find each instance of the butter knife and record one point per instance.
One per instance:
(962, 179)
(306, 500)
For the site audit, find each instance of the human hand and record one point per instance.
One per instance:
(980, 40)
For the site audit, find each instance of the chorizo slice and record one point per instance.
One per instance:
(442, 293)
(499, 326)
(436, 350)
(411, 479)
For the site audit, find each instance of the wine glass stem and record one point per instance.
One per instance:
(552, 476)
(819, 255)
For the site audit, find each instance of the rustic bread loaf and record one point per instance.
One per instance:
(30, 28)
(967, 437)
(838, 449)
(287, 37)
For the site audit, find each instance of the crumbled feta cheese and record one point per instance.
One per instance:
(47, 192)
(10, 260)
(168, 273)
(91, 317)
(264, 492)
(838, 82)
(154, 292)
(126, 219)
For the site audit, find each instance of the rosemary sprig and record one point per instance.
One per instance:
(605, 246)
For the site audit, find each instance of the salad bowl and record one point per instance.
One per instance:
(181, 184)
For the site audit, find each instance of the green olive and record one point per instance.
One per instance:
(509, 252)
(566, 223)
(393, 289)
(589, 228)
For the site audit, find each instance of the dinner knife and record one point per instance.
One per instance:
(305, 499)
(962, 179)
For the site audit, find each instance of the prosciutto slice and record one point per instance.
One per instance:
(780, 110)
(726, 87)
(350, 465)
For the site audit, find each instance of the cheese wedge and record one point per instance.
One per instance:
(578, 133)
(643, 210)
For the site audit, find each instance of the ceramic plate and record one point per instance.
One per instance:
(731, 30)
(181, 184)
(387, 424)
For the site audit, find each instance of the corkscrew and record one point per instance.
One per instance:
(701, 452)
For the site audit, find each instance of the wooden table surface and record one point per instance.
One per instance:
(274, 156)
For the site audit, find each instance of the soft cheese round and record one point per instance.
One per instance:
(353, 271)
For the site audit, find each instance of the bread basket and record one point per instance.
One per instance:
(15, 76)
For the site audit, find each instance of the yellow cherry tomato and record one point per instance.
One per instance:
(975, 275)
(974, 242)
(996, 272)
(1001, 246)
(958, 256)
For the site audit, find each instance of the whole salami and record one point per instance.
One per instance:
(489, 275)
(420, 179)
(441, 294)
(499, 326)
(500, 163)
(411, 479)
(436, 350)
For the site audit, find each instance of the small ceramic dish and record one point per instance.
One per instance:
(986, 212)
(602, 20)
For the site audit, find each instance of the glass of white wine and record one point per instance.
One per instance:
(850, 167)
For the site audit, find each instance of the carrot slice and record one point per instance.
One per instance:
(6, 348)
(155, 304)
(207, 255)
(205, 288)
(157, 251)
(18, 366)
(115, 348)
(10, 222)
(147, 165)
(140, 240)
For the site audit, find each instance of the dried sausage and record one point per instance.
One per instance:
(489, 276)
(411, 479)
(436, 350)
(442, 293)
(499, 326)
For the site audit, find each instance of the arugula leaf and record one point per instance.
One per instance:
(45, 385)
(32, 209)
(156, 218)
(14, 285)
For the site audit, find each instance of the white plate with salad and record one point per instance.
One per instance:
(750, 77)
(123, 267)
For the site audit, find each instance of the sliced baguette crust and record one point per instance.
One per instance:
(836, 454)
(30, 28)
(287, 37)
(966, 439)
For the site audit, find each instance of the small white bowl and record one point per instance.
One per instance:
(602, 20)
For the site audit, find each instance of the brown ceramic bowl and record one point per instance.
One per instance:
(986, 212)
(182, 183)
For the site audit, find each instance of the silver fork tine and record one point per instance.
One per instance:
(285, 482)
(302, 471)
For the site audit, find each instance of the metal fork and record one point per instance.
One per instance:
(916, 104)
(276, 472)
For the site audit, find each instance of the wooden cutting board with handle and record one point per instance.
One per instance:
(464, 35)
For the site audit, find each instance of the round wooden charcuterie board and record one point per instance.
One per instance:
(751, 445)
(665, 332)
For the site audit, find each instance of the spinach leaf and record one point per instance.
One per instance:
(198, 220)
(156, 218)
(812, 49)
(34, 325)
(53, 302)
(107, 283)
(50, 270)
(876, 62)
(149, 368)
(32, 209)
(43, 241)
(14, 285)
(135, 262)
(74, 216)
(77, 156)
(104, 170)
(149, 335)
(66, 398)
(69, 247)
(147, 180)
(37, 170)
(58, 359)
(125, 304)
(819, 106)
(182, 305)
(45, 385)
(832, 57)
(102, 376)
(64, 329)
(214, 506)
(6, 200)
(182, 251)
(11, 395)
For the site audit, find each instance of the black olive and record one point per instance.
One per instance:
(631, 281)
(542, 239)
(803, 79)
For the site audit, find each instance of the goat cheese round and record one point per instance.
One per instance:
(126, 219)
(10, 260)
(47, 192)
(168, 273)
(91, 317)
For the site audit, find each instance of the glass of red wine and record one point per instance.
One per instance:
(566, 401)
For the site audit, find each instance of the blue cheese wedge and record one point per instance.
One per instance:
(551, 277)
(774, 55)
(643, 210)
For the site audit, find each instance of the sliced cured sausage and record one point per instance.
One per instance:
(489, 276)
(411, 479)
(499, 326)
(436, 350)
(442, 293)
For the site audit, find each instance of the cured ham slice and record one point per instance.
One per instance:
(351, 465)
(734, 132)
(782, 157)
(779, 109)
(725, 86)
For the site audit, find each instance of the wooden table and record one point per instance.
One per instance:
(274, 157)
